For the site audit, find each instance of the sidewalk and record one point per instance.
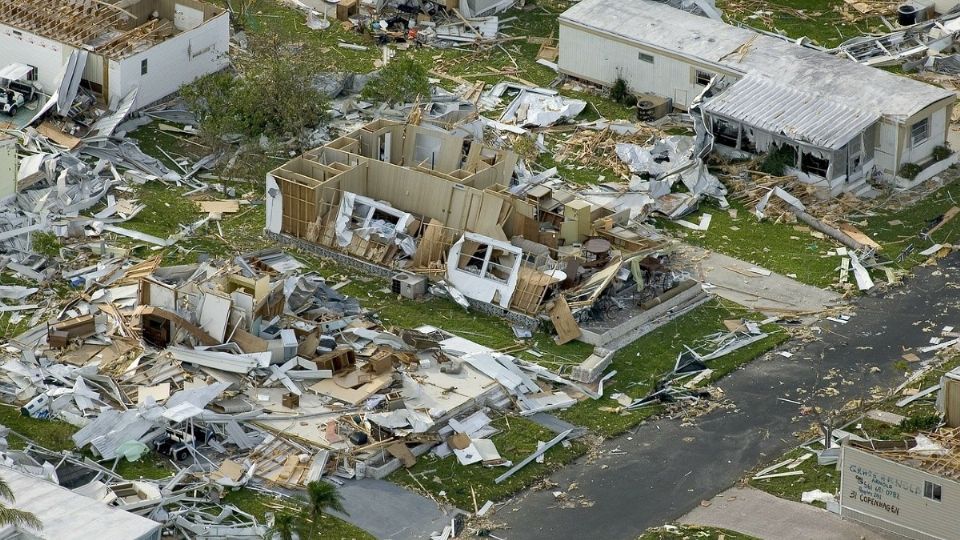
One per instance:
(757, 513)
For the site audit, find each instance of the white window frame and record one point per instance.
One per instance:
(924, 135)
(935, 491)
(644, 57)
(144, 67)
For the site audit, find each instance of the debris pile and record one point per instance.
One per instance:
(254, 371)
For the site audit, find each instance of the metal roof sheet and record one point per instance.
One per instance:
(814, 119)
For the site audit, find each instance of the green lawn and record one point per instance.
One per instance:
(640, 364)
(912, 220)
(258, 504)
(517, 439)
(820, 20)
(775, 246)
(692, 532)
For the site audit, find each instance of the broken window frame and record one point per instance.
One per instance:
(725, 132)
(490, 263)
(921, 135)
(701, 77)
(814, 165)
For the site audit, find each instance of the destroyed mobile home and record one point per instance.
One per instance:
(252, 369)
(428, 206)
(140, 50)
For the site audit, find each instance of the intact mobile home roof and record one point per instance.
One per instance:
(660, 26)
(775, 108)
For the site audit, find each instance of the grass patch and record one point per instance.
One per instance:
(691, 532)
(775, 246)
(824, 478)
(258, 504)
(517, 439)
(51, 434)
(909, 222)
(819, 20)
(640, 364)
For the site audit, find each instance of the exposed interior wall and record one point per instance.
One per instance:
(370, 163)
(173, 63)
(167, 9)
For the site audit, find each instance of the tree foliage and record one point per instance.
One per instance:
(303, 522)
(12, 516)
(270, 94)
(400, 81)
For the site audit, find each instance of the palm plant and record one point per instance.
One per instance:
(320, 496)
(12, 516)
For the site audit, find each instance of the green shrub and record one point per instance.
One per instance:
(629, 100)
(909, 171)
(920, 422)
(46, 244)
(400, 81)
(619, 90)
(778, 159)
(941, 152)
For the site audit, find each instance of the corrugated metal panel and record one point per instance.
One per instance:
(763, 104)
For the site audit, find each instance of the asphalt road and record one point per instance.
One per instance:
(667, 469)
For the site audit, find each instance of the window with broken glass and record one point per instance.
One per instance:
(725, 132)
(814, 164)
(703, 77)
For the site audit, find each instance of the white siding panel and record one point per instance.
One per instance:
(889, 495)
(46, 55)
(921, 152)
(177, 61)
(601, 60)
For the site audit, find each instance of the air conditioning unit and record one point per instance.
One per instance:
(409, 286)
(651, 107)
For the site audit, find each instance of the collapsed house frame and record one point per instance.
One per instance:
(417, 199)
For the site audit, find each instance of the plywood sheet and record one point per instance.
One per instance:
(563, 321)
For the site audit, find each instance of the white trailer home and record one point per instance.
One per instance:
(839, 121)
(156, 46)
(910, 494)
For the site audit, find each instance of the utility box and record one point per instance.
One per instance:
(651, 107)
(409, 286)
